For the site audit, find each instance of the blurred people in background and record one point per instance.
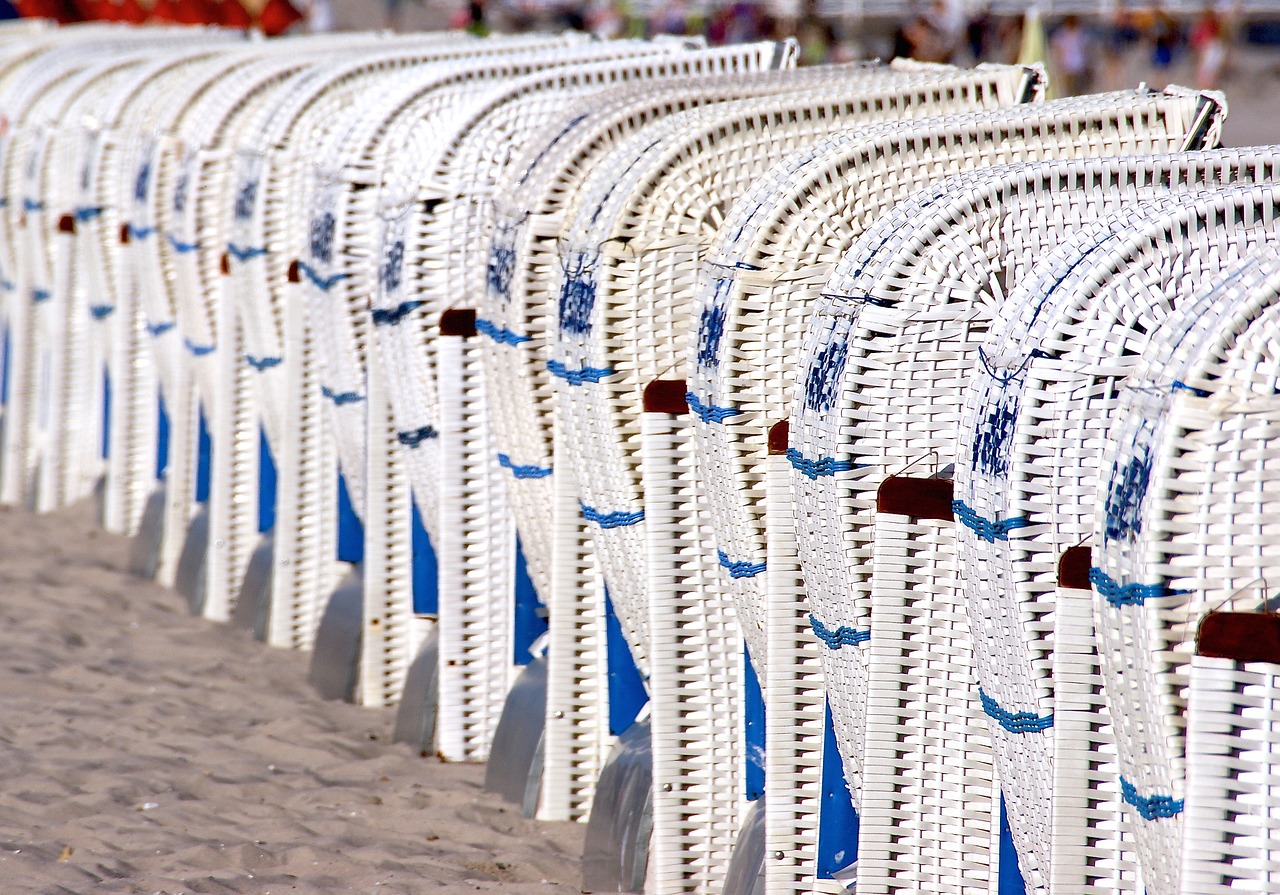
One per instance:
(1120, 34)
(320, 17)
(1165, 35)
(1071, 57)
(1208, 47)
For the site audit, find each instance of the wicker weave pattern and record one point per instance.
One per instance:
(623, 322)
(1048, 377)
(1186, 474)
(907, 308)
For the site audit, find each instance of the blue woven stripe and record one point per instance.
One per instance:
(499, 334)
(262, 363)
(1150, 807)
(817, 468)
(181, 247)
(393, 316)
(136, 232)
(990, 530)
(39, 295)
(341, 398)
(102, 312)
(6, 284)
(32, 205)
(615, 519)
(523, 472)
(578, 377)
(159, 329)
(414, 437)
(87, 212)
(740, 568)
(1179, 385)
(244, 253)
(709, 413)
(1118, 594)
(198, 350)
(324, 284)
(1014, 722)
(841, 636)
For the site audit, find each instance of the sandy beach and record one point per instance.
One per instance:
(146, 751)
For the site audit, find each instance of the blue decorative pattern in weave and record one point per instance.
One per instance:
(709, 413)
(262, 363)
(822, 381)
(499, 334)
(180, 193)
(739, 568)
(578, 377)
(137, 232)
(40, 295)
(1119, 595)
(392, 266)
(519, 471)
(413, 438)
(142, 182)
(198, 350)
(32, 205)
(501, 267)
(393, 316)
(990, 530)
(324, 284)
(615, 519)
(1014, 722)
(245, 253)
(87, 212)
(838, 637)
(993, 436)
(159, 329)
(102, 312)
(246, 196)
(711, 324)
(578, 297)
(815, 469)
(1150, 807)
(321, 236)
(341, 398)
(182, 248)
(1126, 494)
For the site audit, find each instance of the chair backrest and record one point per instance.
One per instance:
(629, 251)
(1186, 481)
(898, 328)
(343, 214)
(618, 319)
(436, 211)
(1048, 374)
(780, 239)
(528, 203)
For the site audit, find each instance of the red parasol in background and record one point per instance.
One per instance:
(272, 16)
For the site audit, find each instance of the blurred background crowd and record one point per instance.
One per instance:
(1088, 45)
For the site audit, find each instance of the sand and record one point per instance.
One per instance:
(146, 751)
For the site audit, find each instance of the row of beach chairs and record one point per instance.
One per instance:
(850, 476)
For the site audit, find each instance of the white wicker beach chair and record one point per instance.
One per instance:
(762, 279)
(630, 250)
(36, 80)
(1027, 460)
(904, 314)
(1189, 474)
(268, 198)
(522, 263)
(182, 257)
(338, 281)
(97, 375)
(435, 210)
